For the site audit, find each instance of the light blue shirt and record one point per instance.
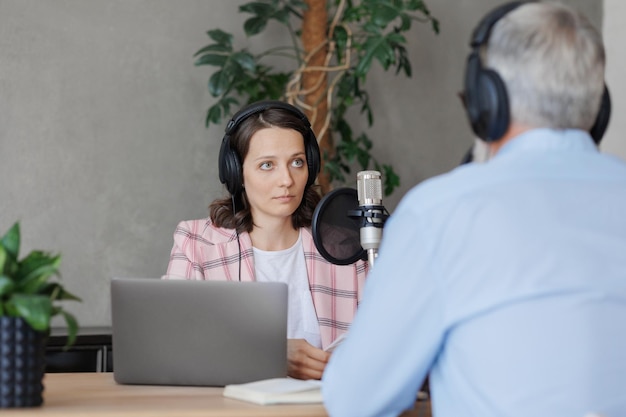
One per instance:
(507, 282)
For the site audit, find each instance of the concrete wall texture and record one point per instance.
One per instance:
(103, 147)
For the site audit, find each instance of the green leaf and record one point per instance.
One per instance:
(264, 11)
(36, 269)
(374, 47)
(3, 258)
(221, 37)
(35, 281)
(35, 309)
(227, 102)
(11, 241)
(391, 179)
(214, 115)
(219, 83)
(245, 60)
(365, 141)
(382, 14)
(220, 49)
(361, 150)
(403, 62)
(341, 41)
(406, 22)
(72, 327)
(297, 8)
(272, 86)
(435, 25)
(56, 292)
(344, 129)
(220, 109)
(258, 8)
(211, 59)
(254, 25)
(372, 29)
(7, 285)
(282, 15)
(344, 93)
(363, 157)
(395, 38)
(365, 108)
(298, 4)
(415, 5)
(334, 170)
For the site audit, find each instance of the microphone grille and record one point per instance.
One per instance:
(369, 188)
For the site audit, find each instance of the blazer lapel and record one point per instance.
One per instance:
(222, 260)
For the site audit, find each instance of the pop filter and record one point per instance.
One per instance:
(335, 234)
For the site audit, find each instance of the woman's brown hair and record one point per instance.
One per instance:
(222, 211)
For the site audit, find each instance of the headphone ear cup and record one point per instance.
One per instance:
(229, 167)
(471, 93)
(313, 158)
(497, 105)
(492, 115)
(602, 119)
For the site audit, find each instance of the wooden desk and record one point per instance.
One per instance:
(98, 395)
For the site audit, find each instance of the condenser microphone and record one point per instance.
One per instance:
(371, 212)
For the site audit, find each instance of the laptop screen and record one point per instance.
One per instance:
(208, 333)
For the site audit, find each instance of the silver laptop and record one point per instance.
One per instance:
(209, 333)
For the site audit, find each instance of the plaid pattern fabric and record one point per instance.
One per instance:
(204, 251)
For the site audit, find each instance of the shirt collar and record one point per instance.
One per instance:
(549, 140)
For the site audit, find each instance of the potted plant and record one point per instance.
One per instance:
(28, 301)
(332, 45)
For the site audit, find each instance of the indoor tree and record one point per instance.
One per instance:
(333, 44)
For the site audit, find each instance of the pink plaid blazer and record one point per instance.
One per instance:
(204, 251)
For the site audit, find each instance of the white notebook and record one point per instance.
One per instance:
(277, 391)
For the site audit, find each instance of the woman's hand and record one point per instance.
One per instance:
(305, 361)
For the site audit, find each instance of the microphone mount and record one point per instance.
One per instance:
(371, 220)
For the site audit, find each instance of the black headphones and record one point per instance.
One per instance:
(230, 164)
(486, 98)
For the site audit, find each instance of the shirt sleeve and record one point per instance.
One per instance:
(397, 331)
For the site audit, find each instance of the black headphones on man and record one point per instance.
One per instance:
(486, 98)
(230, 164)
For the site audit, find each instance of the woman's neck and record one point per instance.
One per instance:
(274, 237)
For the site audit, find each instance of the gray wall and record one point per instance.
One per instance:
(614, 33)
(102, 141)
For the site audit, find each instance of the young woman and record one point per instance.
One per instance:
(269, 160)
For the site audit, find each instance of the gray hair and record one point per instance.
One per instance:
(552, 61)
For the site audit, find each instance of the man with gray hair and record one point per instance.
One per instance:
(505, 281)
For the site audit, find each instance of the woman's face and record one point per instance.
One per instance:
(275, 173)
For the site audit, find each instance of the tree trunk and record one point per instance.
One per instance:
(315, 83)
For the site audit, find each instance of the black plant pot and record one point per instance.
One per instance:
(22, 364)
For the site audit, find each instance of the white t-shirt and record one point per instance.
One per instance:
(288, 266)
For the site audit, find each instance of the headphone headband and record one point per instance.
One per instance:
(259, 107)
(481, 33)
